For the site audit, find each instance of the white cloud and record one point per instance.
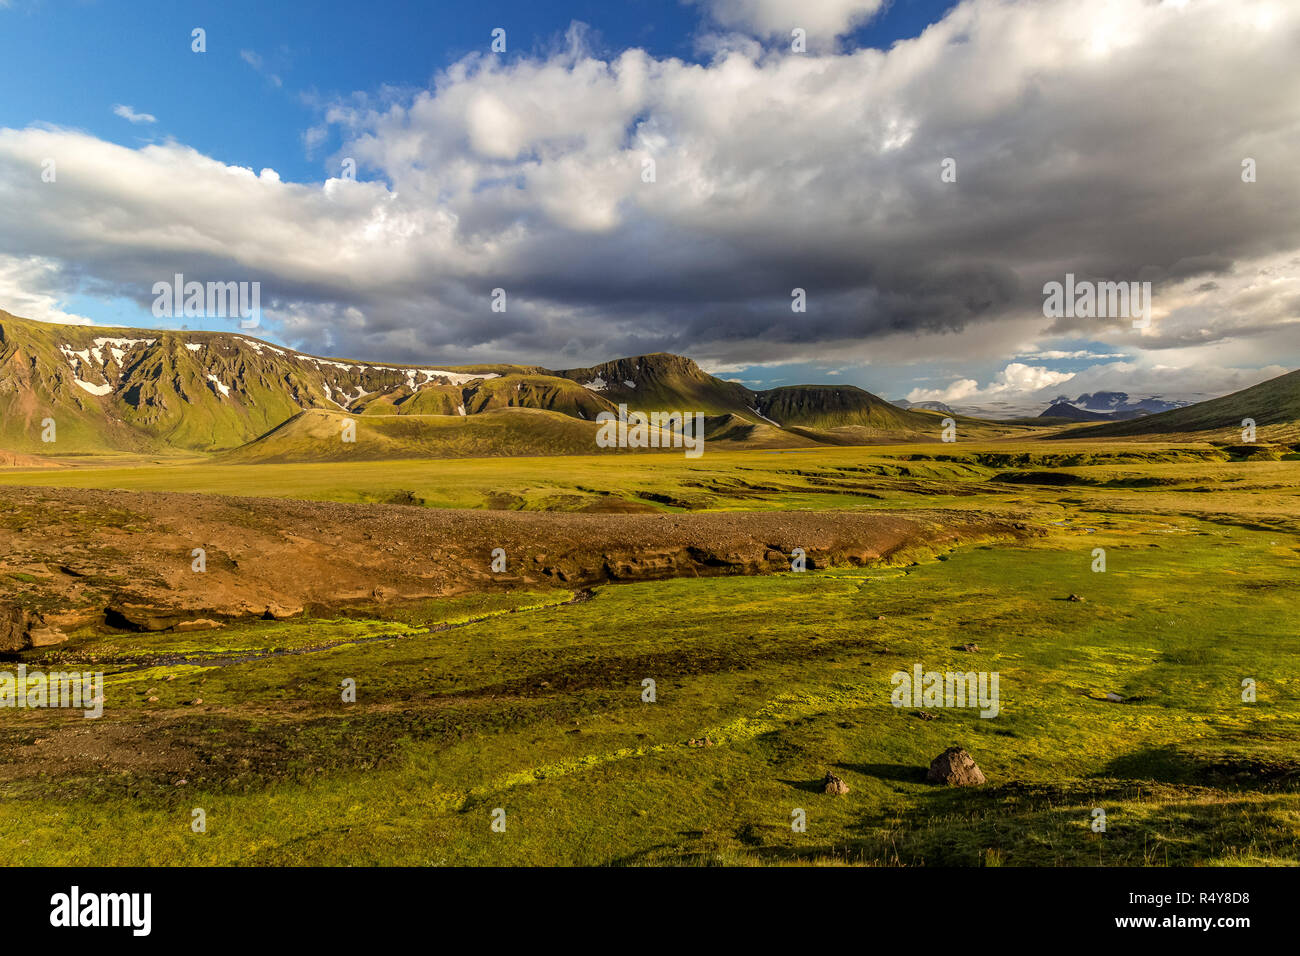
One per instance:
(1014, 382)
(772, 171)
(957, 391)
(131, 116)
(820, 18)
(26, 286)
(258, 63)
(1057, 355)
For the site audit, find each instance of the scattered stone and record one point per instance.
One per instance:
(278, 612)
(20, 629)
(923, 714)
(955, 768)
(199, 624)
(45, 636)
(196, 701)
(1074, 597)
(1114, 698)
(703, 742)
(970, 647)
(834, 785)
(153, 700)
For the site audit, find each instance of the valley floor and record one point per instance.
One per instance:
(527, 699)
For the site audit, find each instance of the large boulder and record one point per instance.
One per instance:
(834, 785)
(955, 768)
(21, 629)
(13, 628)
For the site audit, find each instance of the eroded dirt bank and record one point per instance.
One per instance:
(70, 556)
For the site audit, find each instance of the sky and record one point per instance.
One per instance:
(655, 175)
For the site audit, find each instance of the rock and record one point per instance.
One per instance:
(833, 784)
(142, 617)
(200, 624)
(1074, 597)
(970, 647)
(45, 636)
(923, 714)
(278, 612)
(955, 768)
(20, 629)
(153, 700)
(1114, 698)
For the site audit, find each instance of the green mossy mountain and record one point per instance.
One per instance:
(664, 382)
(174, 392)
(834, 406)
(147, 391)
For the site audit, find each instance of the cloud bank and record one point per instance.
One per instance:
(631, 203)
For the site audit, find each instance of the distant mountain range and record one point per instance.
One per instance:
(1272, 408)
(1106, 406)
(154, 392)
(1113, 402)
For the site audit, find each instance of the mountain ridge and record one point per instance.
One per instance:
(154, 391)
(75, 390)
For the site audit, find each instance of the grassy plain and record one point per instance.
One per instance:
(531, 701)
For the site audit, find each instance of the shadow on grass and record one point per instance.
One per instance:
(1245, 766)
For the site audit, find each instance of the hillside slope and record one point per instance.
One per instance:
(836, 406)
(76, 390)
(318, 435)
(1274, 406)
(145, 390)
(664, 382)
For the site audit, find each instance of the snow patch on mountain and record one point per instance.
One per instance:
(94, 389)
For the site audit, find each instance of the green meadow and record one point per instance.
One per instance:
(528, 707)
(821, 478)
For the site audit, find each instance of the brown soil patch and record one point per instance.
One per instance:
(124, 558)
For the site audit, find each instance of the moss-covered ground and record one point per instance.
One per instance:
(532, 702)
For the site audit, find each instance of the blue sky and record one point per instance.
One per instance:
(1102, 141)
(59, 69)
